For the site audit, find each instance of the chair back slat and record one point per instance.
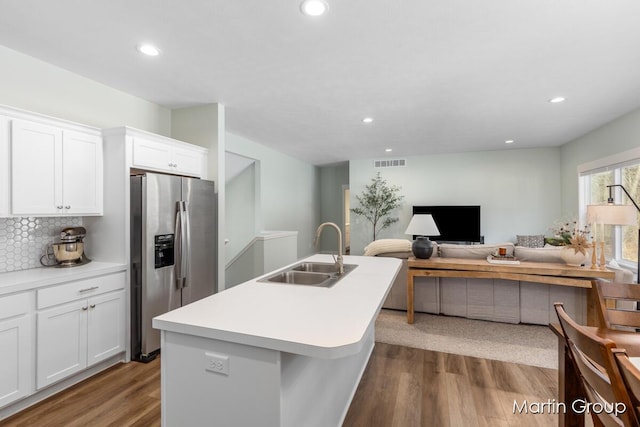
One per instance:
(617, 303)
(599, 373)
(595, 379)
(623, 319)
(631, 377)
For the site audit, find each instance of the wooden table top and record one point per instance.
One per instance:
(532, 268)
(630, 341)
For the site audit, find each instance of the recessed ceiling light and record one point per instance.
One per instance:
(314, 7)
(367, 120)
(388, 150)
(148, 49)
(509, 141)
(557, 99)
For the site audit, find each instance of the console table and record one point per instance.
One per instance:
(536, 272)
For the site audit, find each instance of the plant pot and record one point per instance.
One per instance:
(573, 258)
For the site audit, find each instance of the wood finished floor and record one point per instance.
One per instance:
(401, 387)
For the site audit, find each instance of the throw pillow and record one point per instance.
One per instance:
(532, 241)
(387, 245)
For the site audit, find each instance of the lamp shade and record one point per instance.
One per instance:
(422, 225)
(612, 214)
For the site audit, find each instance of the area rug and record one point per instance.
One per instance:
(526, 344)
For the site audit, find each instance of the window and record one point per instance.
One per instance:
(621, 242)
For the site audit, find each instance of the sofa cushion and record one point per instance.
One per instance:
(546, 254)
(531, 241)
(387, 245)
(449, 250)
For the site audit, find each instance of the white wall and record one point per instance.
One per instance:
(617, 136)
(204, 125)
(288, 191)
(36, 86)
(40, 87)
(519, 191)
(240, 212)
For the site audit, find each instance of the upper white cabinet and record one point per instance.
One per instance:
(157, 153)
(56, 168)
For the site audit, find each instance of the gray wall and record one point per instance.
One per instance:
(332, 178)
(288, 192)
(519, 190)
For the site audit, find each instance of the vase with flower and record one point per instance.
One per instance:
(574, 240)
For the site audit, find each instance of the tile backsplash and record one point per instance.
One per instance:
(23, 240)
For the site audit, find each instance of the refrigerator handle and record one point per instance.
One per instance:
(186, 249)
(180, 246)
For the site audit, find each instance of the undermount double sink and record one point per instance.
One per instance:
(323, 274)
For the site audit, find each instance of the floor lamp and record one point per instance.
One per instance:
(612, 214)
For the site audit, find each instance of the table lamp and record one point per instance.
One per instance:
(612, 214)
(422, 226)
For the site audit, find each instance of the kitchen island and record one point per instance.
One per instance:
(272, 354)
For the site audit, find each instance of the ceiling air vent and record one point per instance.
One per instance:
(389, 163)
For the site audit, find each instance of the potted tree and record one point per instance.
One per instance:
(377, 201)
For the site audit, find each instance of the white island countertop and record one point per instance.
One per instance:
(299, 319)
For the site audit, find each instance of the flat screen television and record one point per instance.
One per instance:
(456, 223)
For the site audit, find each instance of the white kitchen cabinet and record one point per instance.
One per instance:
(78, 325)
(16, 347)
(5, 170)
(61, 344)
(54, 171)
(105, 326)
(165, 155)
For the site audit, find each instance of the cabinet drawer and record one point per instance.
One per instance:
(79, 289)
(15, 305)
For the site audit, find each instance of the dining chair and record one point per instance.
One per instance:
(630, 376)
(617, 304)
(599, 373)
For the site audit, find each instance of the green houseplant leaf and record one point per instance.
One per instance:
(377, 202)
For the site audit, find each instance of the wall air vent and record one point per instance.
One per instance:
(389, 163)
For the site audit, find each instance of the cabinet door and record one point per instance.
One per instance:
(16, 356)
(187, 162)
(36, 173)
(105, 326)
(81, 173)
(151, 154)
(5, 166)
(61, 342)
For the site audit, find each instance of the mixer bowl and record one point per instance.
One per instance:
(68, 253)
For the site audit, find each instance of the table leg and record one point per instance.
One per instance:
(592, 309)
(569, 389)
(410, 287)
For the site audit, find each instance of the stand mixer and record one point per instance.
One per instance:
(69, 251)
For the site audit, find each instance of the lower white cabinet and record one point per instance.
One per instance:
(16, 347)
(74, 335)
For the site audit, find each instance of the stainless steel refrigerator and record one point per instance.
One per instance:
(173, 251)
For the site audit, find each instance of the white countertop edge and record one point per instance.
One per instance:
(263, 342)
(25, 280)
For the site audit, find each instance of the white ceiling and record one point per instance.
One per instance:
(437, 76)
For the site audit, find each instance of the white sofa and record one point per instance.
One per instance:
(497, 300)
